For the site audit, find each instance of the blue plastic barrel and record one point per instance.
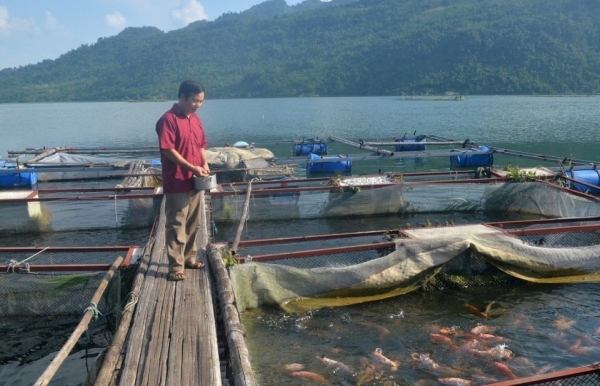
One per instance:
(306, 148)
(589, 176)
(411, 144)
(16, 180)
(473, 160)
(328, 167)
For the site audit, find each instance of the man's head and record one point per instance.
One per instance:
(191, 96)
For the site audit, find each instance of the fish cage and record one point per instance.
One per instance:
(55, 210)
(311, 275)
(306, 276)
(402, 153)
(58, 280)
(398, 194)
(308, 272)
(79, 164)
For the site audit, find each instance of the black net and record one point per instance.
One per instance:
(65, 287)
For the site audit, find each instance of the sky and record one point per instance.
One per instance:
(35, 30)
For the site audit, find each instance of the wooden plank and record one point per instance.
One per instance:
(173, 340)
(158, 337)
(135, 342)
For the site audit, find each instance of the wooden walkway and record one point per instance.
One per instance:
(172, 339)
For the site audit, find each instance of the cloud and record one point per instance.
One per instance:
(192, 11)
(51, 22)
(115, 20)
(15, 26)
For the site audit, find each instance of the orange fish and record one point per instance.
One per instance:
(310, 376)
(504, 370)
(439, 338)
(484, 313)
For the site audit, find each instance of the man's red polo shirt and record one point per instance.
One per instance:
(186, 135)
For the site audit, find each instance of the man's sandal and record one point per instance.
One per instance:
(176, 276)
(194, 265)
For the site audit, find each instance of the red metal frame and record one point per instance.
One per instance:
(345, 188)
(82, 198)
(319, 252)
(66, 267)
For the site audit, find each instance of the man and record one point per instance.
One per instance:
(182, 151)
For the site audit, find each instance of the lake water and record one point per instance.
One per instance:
(530, 318)
(560, 126)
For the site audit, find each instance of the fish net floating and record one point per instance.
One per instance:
(338, 271)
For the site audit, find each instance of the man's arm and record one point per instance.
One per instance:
(174, 156)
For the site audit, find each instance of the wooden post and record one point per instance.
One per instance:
(238, 352)
(238, 235)
(45, 378)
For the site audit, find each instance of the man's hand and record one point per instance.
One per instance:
(199, 171)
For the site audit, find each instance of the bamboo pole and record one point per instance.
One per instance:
(51, 370)
(238, 235)
(443, 143)
(362, 146)
(106, 375)
(541, 157)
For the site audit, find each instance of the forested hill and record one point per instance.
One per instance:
(365, 47)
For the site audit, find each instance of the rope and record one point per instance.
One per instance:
(11, 265)
(133, 299)
(94, 310)
(234, 198)
(14, 264)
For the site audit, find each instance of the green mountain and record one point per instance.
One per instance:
(337, 48)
